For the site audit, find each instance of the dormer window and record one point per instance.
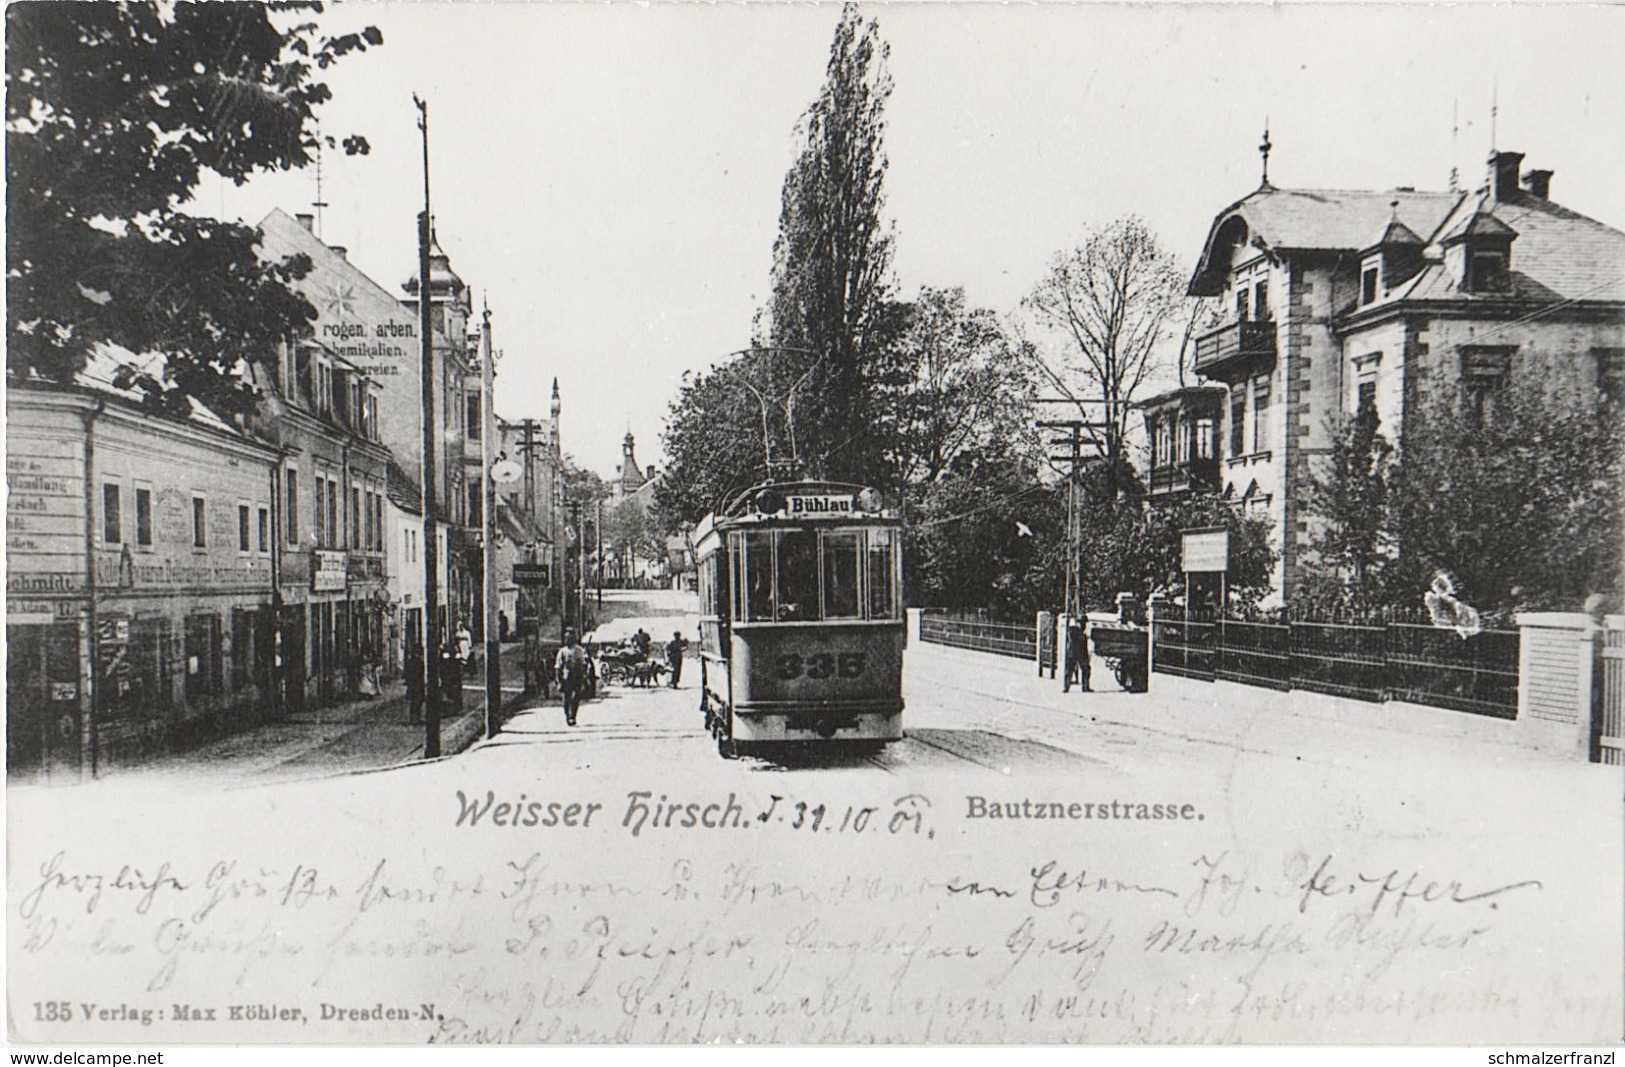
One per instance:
(1369, 276)
(1489, 272)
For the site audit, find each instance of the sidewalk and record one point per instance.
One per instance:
(1246, 718)
(355, 736)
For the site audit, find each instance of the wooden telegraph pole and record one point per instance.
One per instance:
(488, 429)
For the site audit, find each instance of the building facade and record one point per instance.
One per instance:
(139, 593)
(1330, 301)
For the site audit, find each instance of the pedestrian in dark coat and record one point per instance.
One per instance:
(674, 657)
(414, 681)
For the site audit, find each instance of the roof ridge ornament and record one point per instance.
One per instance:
(1264, 151)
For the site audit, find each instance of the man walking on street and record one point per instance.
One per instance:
(414, 680)
(674, 656)
(571, 667)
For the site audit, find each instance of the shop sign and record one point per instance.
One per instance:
(530, 574)
(329, 571)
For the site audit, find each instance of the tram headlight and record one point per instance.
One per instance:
(770, 502)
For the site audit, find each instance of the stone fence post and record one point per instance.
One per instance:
(913, 631)
(1555, 660)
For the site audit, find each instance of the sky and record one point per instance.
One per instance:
(607, 176)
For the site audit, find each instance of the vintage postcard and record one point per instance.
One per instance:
(814, 524)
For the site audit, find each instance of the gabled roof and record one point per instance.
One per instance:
(1479, 224)
(403, 489)
(108, 363)
(1396, 233)
(1315, 220)
(1559, 256)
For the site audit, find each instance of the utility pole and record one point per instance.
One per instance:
(488, 429)
(581, 563)
(431, 542)
(599, 524)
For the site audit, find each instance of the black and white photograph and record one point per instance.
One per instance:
(821, 524)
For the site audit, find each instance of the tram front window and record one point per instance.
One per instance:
(798, 575)
(841, 575)
(882, 547)
(758, 584)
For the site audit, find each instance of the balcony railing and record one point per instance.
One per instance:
(1180, 477)
(1235, 342)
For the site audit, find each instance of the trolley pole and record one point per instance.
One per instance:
(431, 542)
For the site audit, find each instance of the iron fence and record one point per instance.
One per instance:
(1396, 657)
(979, 633)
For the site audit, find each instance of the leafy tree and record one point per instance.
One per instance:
(832, 259)
(114, 111)
(989, 535)
(714, 443)
(1111, 303)
(958, 387)
(1352, 546)
(1523, 507)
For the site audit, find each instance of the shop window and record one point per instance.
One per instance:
(143, 517)
(112, 520)
(202, 656)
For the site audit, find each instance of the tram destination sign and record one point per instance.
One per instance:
(799, 504)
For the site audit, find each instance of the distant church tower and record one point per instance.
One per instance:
(632, 478)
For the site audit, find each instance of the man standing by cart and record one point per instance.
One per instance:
(674, 656)
(571, 668)
(1077, 655)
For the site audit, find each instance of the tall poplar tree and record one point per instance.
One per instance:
(832, 260)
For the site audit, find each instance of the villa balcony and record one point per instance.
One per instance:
(1234, 350)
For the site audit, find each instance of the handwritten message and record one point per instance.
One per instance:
(627, 912)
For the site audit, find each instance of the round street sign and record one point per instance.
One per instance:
(505, 472)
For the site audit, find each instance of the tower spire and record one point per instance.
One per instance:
(1264, 152)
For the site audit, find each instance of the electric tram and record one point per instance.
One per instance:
(801, 628)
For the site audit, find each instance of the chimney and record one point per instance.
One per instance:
(1538, 183)
(307, 221)
(649, 473)
(344, 253)
(1504, 175)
